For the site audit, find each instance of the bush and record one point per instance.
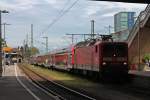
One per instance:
(147, 57)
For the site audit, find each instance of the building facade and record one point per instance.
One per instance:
(123, 21)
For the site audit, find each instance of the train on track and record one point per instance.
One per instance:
(100, 56)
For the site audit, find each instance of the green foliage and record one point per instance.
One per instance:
(1, 40)
(34, 50)
(3, 43)
(64, 78)
(147, 57)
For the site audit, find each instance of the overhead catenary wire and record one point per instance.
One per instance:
(65, 5)
(62, 12)
(59, 13)
(40, 42)
(60, 16)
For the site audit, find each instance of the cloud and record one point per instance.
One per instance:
(94, 8)
(42, 12)
(109, 14)
(58, 4)
(52, 2)
(18, 5)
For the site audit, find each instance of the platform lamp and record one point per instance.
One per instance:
(4, 24)
(1, 68)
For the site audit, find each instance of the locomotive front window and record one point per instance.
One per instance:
(107, 50)
(118, 50)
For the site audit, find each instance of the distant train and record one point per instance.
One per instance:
(95, 56)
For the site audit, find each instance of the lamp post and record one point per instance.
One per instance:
(5, 30)
(1, 68)
(109, 28)
(46, 38)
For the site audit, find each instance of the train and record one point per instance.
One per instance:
(100, 56)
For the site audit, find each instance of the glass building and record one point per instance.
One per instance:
(123, 21)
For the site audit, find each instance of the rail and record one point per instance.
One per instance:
(140, 22)
(57, 90)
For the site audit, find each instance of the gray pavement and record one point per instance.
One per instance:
(140, 73)
(14, 85)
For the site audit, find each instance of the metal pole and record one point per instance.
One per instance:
(1, 69)
(46, 40)
(4, 31)
(72, 39)
(84, 37)
(27, 41)
(92, 28)
(24, 43)
(109, 28)
(31, 35)
(47, 44)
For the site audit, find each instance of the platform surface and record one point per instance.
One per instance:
(15, 86)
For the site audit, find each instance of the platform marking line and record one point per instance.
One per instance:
(24, 86)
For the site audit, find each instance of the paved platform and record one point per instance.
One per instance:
(15, 86)
(140, 78)
(140, 73)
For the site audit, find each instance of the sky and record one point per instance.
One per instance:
(56, 18)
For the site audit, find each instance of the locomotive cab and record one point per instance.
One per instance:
(114, 57)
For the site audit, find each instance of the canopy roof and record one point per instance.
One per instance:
(7, 49)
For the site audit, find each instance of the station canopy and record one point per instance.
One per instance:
(128, 1)
(7, 49)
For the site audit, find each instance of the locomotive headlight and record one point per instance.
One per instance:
(104, 63)
(125, 63)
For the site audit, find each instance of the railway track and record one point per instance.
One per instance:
(59, 91)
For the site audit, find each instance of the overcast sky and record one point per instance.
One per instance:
(41, 13)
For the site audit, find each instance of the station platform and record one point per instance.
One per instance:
(140, 78)
(140, 73)
(144, 70)
(15, 86)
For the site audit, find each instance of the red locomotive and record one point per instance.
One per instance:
(96, 56)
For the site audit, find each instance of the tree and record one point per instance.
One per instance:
(34, 50)
(3, 43)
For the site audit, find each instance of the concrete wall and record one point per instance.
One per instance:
(144, 45)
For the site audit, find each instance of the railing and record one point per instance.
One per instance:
(140, 22)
